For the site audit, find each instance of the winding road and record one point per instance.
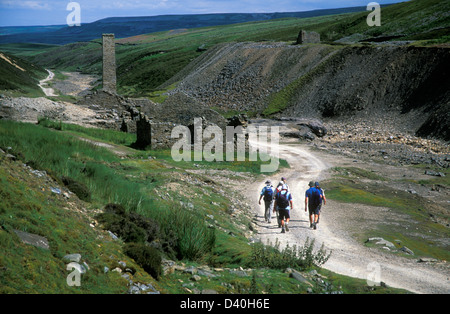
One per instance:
(349, 257)
(48, 91)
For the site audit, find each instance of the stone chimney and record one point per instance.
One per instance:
(109, 63)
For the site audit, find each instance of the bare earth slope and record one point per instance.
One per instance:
(319, 80)
(241, 76)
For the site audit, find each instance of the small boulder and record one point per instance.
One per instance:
(33, 239)
(72, 258)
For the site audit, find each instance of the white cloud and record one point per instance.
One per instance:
(125, 4)
(20, 4)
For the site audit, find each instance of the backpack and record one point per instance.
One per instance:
(283, 199)
(315, 197)
(268, 194)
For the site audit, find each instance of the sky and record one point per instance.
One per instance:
(54, 12)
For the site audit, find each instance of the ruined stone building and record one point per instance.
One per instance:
(305, 37)
(153, 123)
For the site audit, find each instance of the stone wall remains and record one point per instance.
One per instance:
(305, 37)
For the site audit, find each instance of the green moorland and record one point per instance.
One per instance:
(147, 61)
(142, 208)
(19, 77)
(157, 200)
(424, 20)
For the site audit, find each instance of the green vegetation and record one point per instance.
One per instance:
(420, 217)
(424, 19)
(24, 50)
(290, 257)
(145, 62)
(357, 286)
(28, 205)
(159, 95)
(19, 77)
(78, 188)
(127, 191)
(107, 180)
(131, 183)
(358, 173)
(108, 136)
(148, 257)
(435, 180)
(134, 192)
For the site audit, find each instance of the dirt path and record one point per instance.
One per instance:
(349, 257)
(48, 91)
(118, 150)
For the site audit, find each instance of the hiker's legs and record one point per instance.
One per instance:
(284, 217)
(269, 206)
(318, 213)
(287, 216)
(316, 217)
(283, 214)
(265, 210)
(311, 216)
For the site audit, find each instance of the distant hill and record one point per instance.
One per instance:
(12, 30)
(132, 26)
(410, 20)
(145, 62)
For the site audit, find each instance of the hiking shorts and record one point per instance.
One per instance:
(283, 213)
(315, 210)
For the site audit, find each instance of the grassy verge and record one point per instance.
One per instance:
(19, 77)
(420, 230)
(358, 286)
(358, 173)
(443, 180)
(127, 139)
(159, 96)
(109, 136)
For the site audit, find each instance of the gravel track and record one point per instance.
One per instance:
(48, 91)
(349, 257)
